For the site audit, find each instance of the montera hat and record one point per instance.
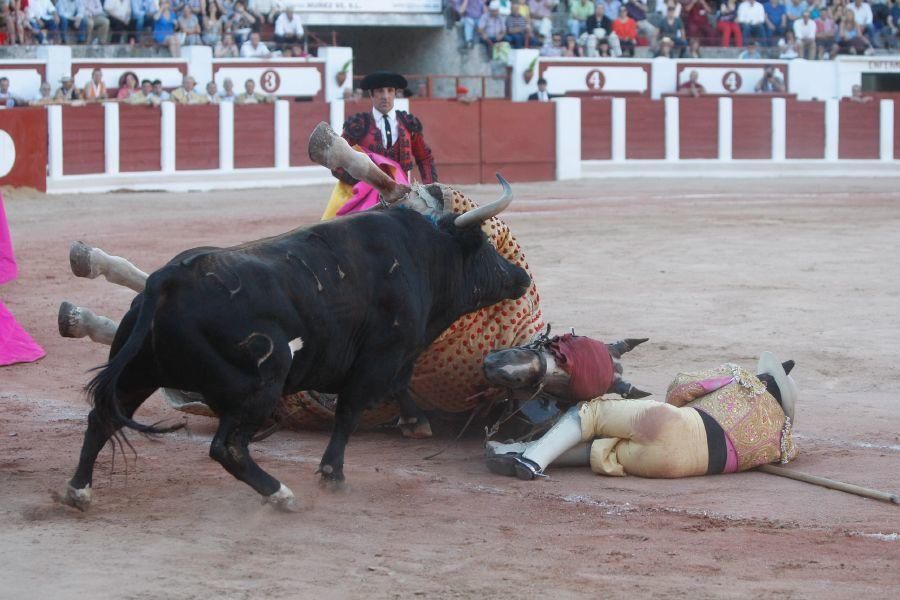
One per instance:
(383, 79)
(769, 365)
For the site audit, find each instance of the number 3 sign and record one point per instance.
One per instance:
(270, 81)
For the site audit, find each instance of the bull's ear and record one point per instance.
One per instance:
(477, 216)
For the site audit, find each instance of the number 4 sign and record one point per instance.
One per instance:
(595, 79)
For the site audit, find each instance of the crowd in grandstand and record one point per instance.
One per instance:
(226, 25)
(679, 28)
(130, 90)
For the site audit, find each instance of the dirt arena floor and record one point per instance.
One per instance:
(711, 271)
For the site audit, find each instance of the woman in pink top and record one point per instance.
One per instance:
(128, 84)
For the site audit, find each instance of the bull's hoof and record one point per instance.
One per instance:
(283, 499)
(80, 259)
(418, 431)
(79, 498)
(331, 479)
(69, 321)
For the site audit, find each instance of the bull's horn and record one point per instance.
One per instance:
(330, 150)
(483, 213)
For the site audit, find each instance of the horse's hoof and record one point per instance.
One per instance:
(69, 321)
(283, 499)
(80, 259)
(80, 499)
(416, 431)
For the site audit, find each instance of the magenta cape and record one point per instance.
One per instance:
(15, 343)
(364, 195)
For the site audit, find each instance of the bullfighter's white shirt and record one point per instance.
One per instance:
(379, 120)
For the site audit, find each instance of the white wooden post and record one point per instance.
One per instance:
(111, 137)
(226, 136)
(618, 129)
(55, 135)
(282, 134)
(726, 108)
(673, 144)
(832, 128)
(886, 125)
(167, 137)
(779, 139)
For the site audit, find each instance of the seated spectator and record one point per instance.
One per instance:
(571, 50)
(856, 95)
(604, 50)
(159, 93)
(9, 16)
(788, 48)
(97, 22)
(491, 26)
(253, 48)
(7, 99)
(599, 20)
(626, 30)
(554, 48)
(637, 10)
(42, 16)
(752, 17)
(694, 49)
(142, 12)
(770, 82)
(71, 16)
(288, 29)
(469, 12)
(793, 10)
(242, 23)
(187, 94)
(164, 22)
(95, 89)
(850, 38)
(672, 28)
(826, 29)
(696, 20)
(751, 52)
(212, 93)
(67, 91)
(692, 86)
(227, 94)
(542, 95)
(518, 28)
(541, 12)
(44, 97)
(579, 11)
(728, 25)
(144, 95)
(128, 85)
(264, 11)
(119, 13)
(776, 19)
(891, 31)
(662, 9)
(805, 34)
(226, 48)
(189, 25)
(251, 96)
(212, 25)
(862, 14)
(815, 8)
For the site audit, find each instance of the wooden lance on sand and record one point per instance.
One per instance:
(830, 483)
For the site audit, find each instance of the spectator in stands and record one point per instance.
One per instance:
(805, 34)
(264, 11)
(665, 48)
(891, 30)
(770, 82)
(752, 17)
(599, 19)
(862, 14)
(288, 29)
(128, 85)
(776, 19)
(542, 95)
(751, 52)
(44, 97)
(505, 8)
(67, 91)
(7, 99)
(637, 10)
(469, 12)
(42, 16)
(626, 30)
(119, 13)
(251, 96)
(9, 15)
(227, 94)
(254, 48)
(95, 89)
(71, 16)
(226, 48)
(242, 23)
(541, 12)
(856, 95)
(144, 95)
(697, 21)
(187, 93)
(142, 12)
(571, 49)
(213, 25)
(518, 28)
(579, 11)
(793, 9)
(826, 30)
(189, 26)
(554, 48)
(491, 26)
(727, 24)
(604, 49)
(788, 49)
(159, 92)
(672, 28)
(692, 86)
(164, 22)
(851, 38)
(212, 93)
(98, 23)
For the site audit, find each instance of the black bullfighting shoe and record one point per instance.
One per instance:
(514, 465)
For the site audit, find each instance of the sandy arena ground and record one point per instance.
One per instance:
(712, 271)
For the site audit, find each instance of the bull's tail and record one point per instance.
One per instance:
(102, 389)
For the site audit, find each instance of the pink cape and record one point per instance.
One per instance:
(364, 195)
(15, 343)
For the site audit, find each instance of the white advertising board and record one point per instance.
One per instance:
(369, 6)
(273, 78)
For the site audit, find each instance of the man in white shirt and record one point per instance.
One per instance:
(862, 11)
(288, 29)
(227, 94)
(263, 10)
(751, 16)
(805, 32)
(42, 15)
(254, 48)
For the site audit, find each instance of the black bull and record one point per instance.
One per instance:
(344, 307)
